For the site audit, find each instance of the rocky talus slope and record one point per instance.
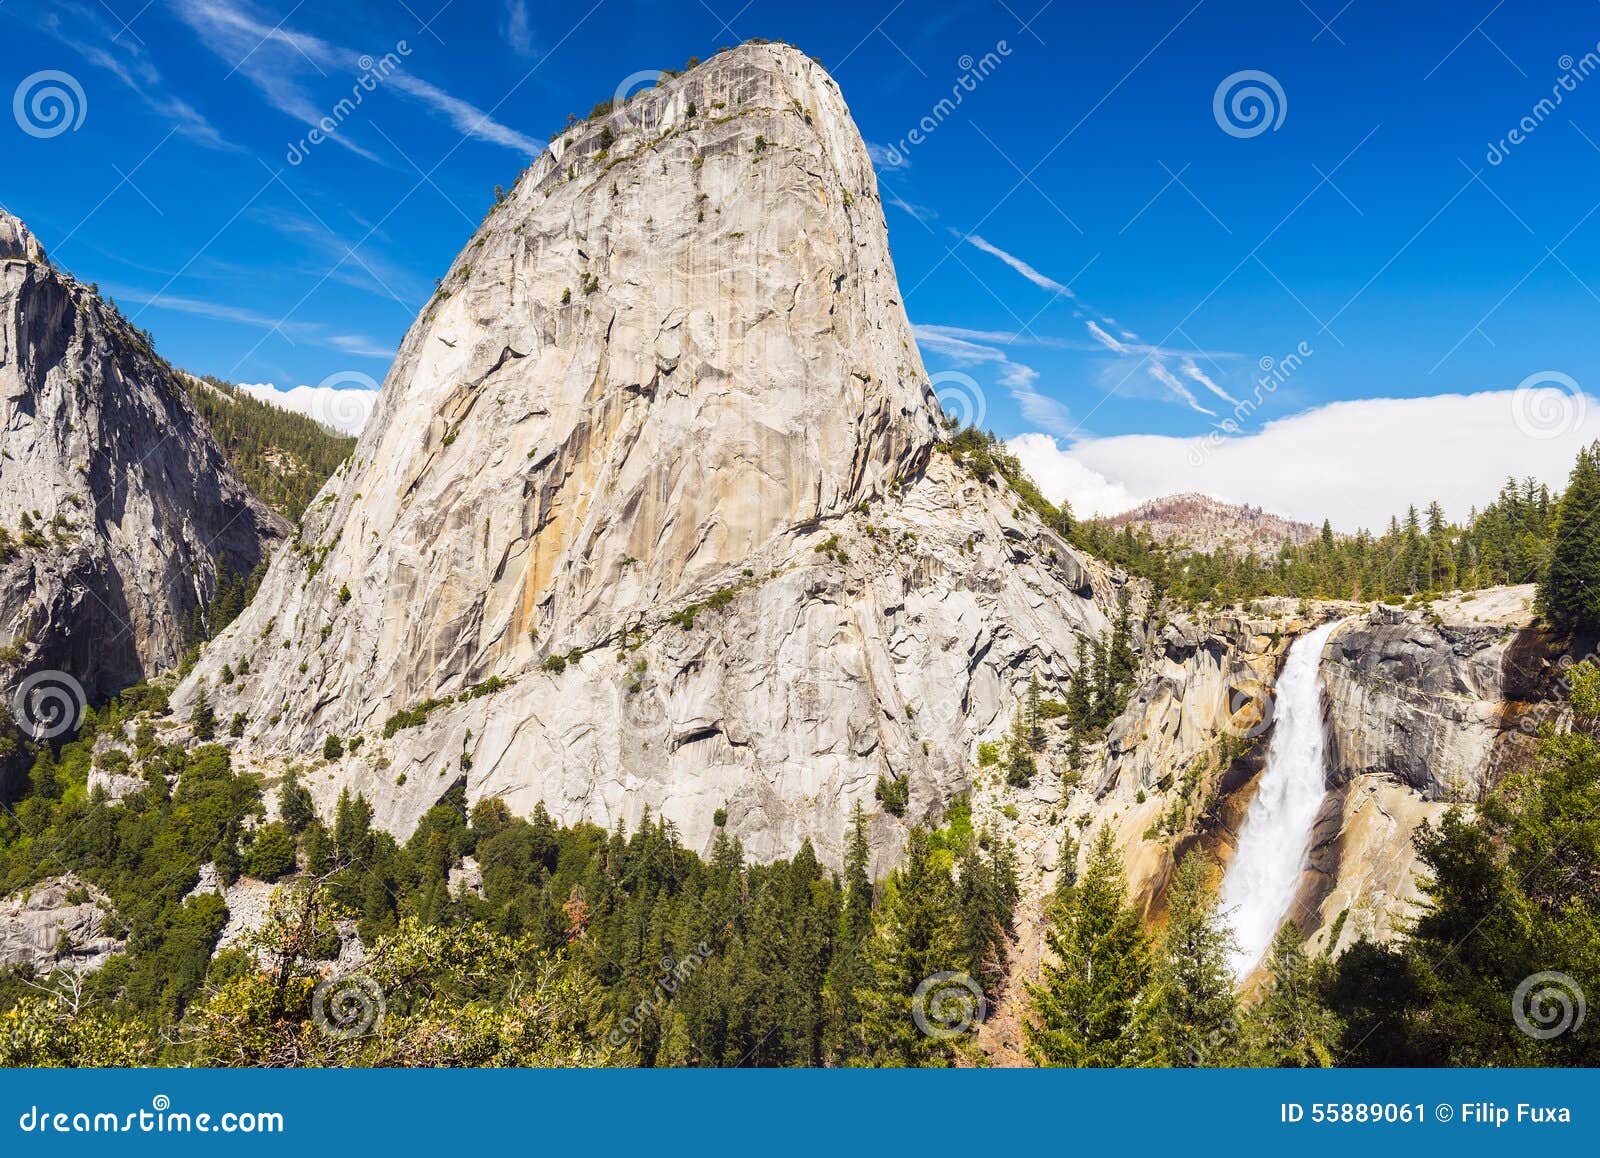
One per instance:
(651, 512)
(115, 499)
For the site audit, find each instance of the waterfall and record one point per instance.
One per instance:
(1260, 883)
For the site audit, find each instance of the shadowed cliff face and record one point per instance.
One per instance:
(660, 457)
(117, 499)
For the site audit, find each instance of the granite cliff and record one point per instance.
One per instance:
(118, 506)
(652, 512)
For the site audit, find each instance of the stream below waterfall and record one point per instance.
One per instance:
(1261, 881)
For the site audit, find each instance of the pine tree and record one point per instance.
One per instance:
(295, 805)
(1290, 1026)
(202, 718)
(846, 974)
(1031, 716)
(1089, 1006)
(1020, 764)
(1121, 660)
(1569, 593)
(1080, 700)
(916, 939)
(1194, 1018)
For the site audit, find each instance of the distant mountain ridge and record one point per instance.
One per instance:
(1203, 524)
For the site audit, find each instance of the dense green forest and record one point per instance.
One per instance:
(283, 456)
(586, 946)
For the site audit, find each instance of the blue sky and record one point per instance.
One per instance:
(1081, 236)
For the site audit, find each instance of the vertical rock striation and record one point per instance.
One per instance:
(652, 497)
(116, 501)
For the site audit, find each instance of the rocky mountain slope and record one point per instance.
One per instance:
(651, 514)
(1201, 523)
(116, 502)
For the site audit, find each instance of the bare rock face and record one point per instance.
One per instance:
(1420, 699)
(652, 501)
(60, 923)
(116, 501)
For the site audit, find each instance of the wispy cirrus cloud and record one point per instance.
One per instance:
(85, 31)
(283, 63)
(311, 332)
(360, 266)
(519, 27)
(965, 348)
(1156, 362)
(883, 157)
(1016, 263)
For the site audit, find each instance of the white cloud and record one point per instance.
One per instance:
(1018, 379)
(519, 28)
(345, 409)
(466, 119)
(1019, 265)
(316, 335)
(1356, 463)
(1106, 339)
(1161, 374)
(1201, 377)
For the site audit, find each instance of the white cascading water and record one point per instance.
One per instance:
(1261, 881)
